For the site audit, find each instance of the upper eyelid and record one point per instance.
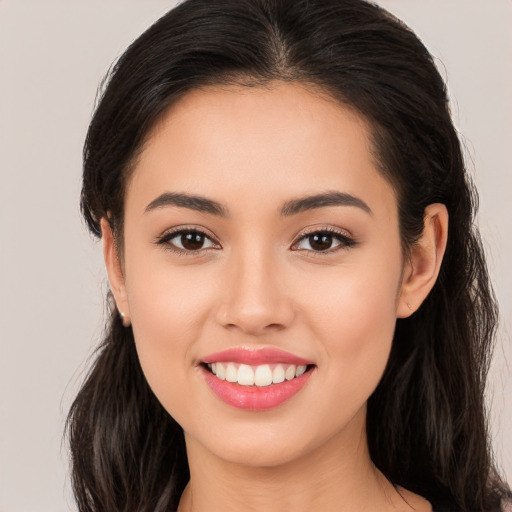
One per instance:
(324, 229)
(184, 229)
(314, 229)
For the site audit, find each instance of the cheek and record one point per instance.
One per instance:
(168, 311)
(357, 328)
(354, 314)
(355, 303)
(166, 300)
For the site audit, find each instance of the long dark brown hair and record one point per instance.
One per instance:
(426, 422)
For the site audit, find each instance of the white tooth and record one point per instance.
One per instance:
(213, 366)
(221, 371)
(231, 372)
(245, 375)
(263, 375)
(300, 370)
(278, 374)
(290, 372)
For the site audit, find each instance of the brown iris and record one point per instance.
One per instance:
(320, 241)
(192, 241)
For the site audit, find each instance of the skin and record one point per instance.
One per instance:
(260, 283)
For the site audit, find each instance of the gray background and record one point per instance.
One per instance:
(52, 57)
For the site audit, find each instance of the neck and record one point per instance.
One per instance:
(338, 476)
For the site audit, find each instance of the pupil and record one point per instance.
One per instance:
(192, 241)
(322, 242)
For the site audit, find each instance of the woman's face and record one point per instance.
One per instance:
(230, 246)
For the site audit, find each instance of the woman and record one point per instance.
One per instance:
(301, 312)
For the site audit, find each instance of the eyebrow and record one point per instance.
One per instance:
(289, 208)
(198, 203)
(331, 198)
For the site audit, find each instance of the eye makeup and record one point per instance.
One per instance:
(192, 241)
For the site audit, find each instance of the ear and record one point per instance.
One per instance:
(114, 271)
(422, 268)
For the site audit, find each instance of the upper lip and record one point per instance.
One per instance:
(255, 357)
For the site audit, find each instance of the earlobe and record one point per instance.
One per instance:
(426, 256)
(114, 271)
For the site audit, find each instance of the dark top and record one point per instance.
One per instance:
(444, 506)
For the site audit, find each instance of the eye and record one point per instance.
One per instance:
(187, 241)
(323, 241)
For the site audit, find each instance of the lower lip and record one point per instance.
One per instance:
(254, 398)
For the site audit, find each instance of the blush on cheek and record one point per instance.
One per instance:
(361, 327)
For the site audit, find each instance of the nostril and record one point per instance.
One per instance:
(253, 313)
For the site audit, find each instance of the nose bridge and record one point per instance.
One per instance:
(254, 296)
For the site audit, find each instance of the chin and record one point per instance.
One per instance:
(257, 453)
(272, 441)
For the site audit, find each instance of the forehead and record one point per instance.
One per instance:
(257, 145)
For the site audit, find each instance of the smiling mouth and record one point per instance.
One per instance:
(256, 379)
(256, 375)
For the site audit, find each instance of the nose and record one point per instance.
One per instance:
(254, 298)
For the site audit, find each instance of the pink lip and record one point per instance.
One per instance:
(255, 398)
(255, 357)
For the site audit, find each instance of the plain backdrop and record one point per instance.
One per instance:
(53, 54)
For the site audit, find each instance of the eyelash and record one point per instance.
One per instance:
(346, 242)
